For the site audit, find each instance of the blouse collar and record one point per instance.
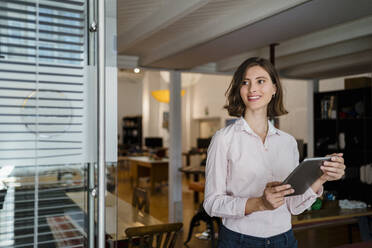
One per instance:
(242, 125)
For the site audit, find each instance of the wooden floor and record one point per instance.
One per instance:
(320, 238)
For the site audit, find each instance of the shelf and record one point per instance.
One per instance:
(348, 103)
(318, 119)
(355, 119)
(343, 150)
(132, 130)
(345, 119)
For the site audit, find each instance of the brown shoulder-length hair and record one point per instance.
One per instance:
(234, 103)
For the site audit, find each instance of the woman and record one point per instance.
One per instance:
(247, 161)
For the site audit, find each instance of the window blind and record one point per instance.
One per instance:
(42, 110)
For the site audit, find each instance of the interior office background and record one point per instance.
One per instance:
(203, 103)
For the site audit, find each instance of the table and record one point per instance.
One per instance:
(322, 217)
(329, 217)
(144, 166)
(116, 221)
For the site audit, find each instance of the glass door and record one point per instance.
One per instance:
(46, 130)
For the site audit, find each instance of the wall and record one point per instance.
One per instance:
(337, 83)
(207, 101)
(129, 98)
(295, 101)
(152, 110)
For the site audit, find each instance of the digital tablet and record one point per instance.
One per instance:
(305, 174)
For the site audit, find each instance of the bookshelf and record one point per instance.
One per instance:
(343, 123)
(132, 132)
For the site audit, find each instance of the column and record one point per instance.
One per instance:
(175, 149)
(312, 86)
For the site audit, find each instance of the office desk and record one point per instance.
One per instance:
(116, 221)
(144, 166)
(327, 217)
(330, 217)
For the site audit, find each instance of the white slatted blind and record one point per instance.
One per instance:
(42, 113)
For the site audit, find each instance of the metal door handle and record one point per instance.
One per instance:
(93, 27)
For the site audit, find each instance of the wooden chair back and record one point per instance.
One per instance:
(159, 236)
(141, 199)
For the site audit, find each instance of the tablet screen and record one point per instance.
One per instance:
(305, 174)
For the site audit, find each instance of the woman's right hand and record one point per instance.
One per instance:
(274, 193)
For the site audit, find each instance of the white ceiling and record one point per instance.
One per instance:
(317, 39)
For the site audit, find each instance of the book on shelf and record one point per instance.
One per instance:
(328, 108)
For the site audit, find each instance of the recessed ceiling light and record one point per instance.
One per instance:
(136, 70)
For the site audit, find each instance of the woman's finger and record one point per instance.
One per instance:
(283, 193)
(331, 169)
(334, 164)
(337, 159)
(281, 188)
(334, 175)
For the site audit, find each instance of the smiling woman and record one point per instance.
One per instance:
(248, 160)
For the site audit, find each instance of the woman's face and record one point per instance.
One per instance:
(257, 89)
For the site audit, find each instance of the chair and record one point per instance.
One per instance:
(163, 235)
(201, 215)
(141, 199)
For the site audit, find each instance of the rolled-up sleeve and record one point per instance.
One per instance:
(299, 203)
(217, 202)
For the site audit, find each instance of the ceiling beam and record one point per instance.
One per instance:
(226, 24)
(323, 38)
(170, 13)
(127, 62)
(337, 66)
(326, 52)
(233, 62)
(338, 33)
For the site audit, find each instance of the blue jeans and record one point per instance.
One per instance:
(231, 239)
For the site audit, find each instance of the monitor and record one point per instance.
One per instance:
(153, 142)
(203, 143)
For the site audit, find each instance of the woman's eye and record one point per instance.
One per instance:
(245, 83)
(261, 81)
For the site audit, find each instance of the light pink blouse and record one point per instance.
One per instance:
(239, 166)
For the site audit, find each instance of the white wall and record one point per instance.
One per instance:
(129, 99)
(209, 93)
(337, 83)
(295, 101)
(152, 110)
(206, 101)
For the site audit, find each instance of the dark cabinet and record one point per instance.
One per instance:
(132, 132)
(343, 123)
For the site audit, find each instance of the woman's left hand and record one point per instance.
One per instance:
(334, 169)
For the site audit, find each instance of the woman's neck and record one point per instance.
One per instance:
(257, 121)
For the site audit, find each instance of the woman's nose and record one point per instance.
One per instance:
(252, 87)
